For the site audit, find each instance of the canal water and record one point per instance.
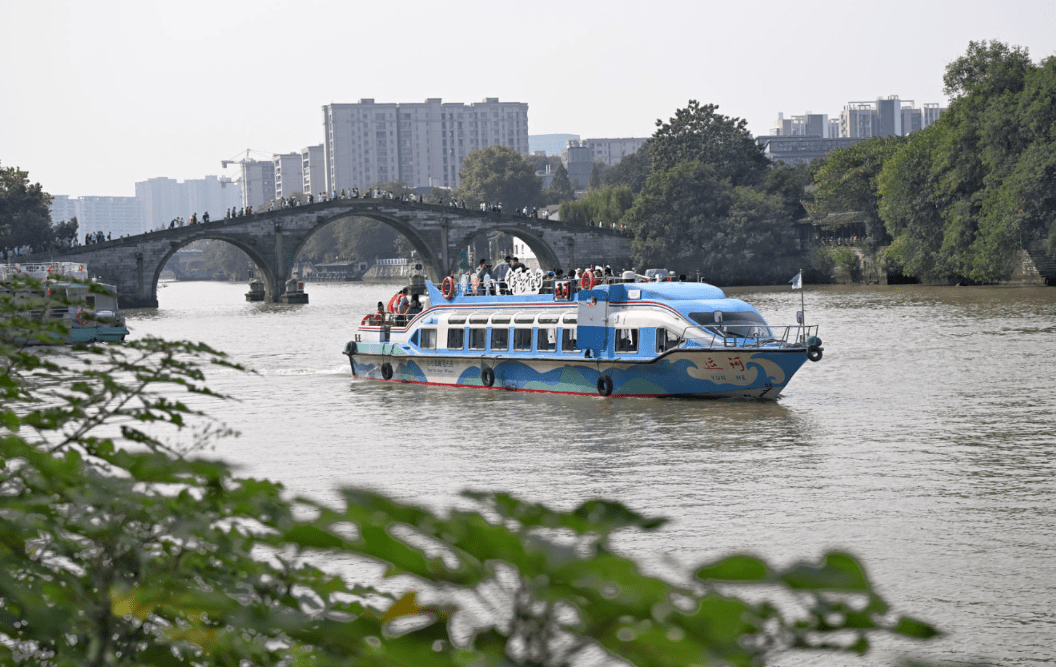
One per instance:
(923, 442)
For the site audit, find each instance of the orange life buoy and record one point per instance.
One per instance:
(587, 281)
(82, 317)
(447, 288)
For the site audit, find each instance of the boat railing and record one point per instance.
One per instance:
(755, 336)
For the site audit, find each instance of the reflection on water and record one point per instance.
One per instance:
(923, 441)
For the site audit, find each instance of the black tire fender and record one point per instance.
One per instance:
(350, 348)
(814, 352)
(605, 384)
(386, 371)
(487, 376)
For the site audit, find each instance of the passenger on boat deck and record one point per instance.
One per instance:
(403, 302)
(482, 270)
(517, 266)
(416, 305)
(502, 269)
(379, 315)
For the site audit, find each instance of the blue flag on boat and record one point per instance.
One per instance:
(797, 282)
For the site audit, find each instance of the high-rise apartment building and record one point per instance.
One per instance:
(807, 125)
(117, 216)
(313, 169)
(163, 199)
(930, 113)
(258, 182)
(420, 144)
(886, 118)
(288, 177)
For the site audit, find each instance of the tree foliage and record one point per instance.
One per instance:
(498, 174)
(698, 133)
(560, 189)
(847, 181)
(596, 170)
(604, 205)
(688, 218)
(118, 547)
(24, 216)
(963, 196)
(66, 231)
(632, 170)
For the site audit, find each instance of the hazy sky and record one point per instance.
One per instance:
(98, 94)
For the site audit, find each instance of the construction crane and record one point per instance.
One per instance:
(240, 159)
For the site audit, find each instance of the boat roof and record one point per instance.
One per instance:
(684, 298)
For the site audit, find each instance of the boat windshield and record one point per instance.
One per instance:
(743, 324)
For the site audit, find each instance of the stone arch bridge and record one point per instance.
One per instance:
(273, 240)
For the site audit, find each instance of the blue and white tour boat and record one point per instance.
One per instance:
(620, 337)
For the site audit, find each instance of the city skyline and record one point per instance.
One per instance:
(109, 93)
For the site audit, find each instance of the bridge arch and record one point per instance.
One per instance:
(542, 250)
(271, 281)
(431, 263)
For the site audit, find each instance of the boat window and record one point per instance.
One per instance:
(456, 338)
(568, 340)
(569, 318)
(500, 319)
(743, 324)
(546, 339)
(666, 340)
(477, 338)
(627, 340)
(522, 339)
(428, 339)
(456, 319)
(500, 339)
(480, 318)
(548, 319)
(524, 318)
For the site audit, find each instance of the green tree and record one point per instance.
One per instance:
(596, 170)
(688, 218)
(498, 174)
(604, 205)
(118, 548)
(224, 260)
(543, 162)
(66, 231)
(560, 189)
(24, 216)
(967, 193)
(988, 68)
(846, 181)
(788, 182)
(699, 133)
(632, 170)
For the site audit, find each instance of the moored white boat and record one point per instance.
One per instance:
(88, 310)
(626, 338)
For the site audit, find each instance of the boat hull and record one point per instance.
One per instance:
(104, 334)
(701, 373)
